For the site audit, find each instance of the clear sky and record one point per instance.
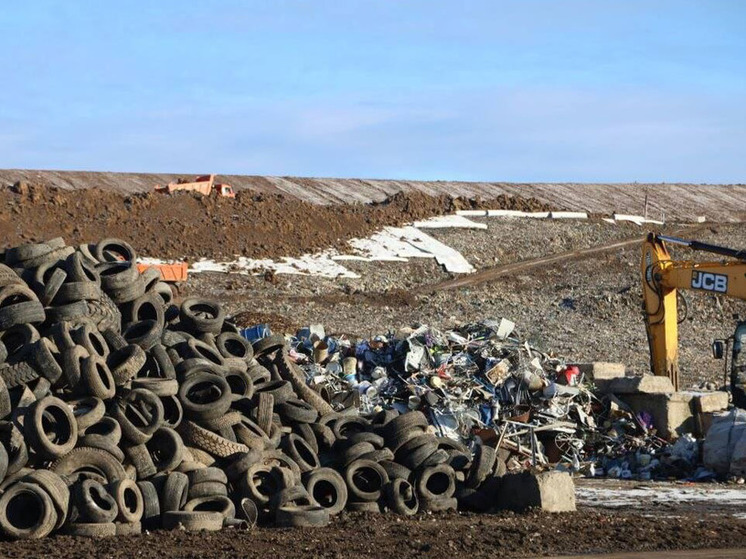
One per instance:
(522, 90)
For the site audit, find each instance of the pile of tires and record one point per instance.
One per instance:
(121, 411)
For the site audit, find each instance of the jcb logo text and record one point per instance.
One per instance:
(710, 282)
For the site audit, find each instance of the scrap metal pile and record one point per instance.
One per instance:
(483, 384)
(122, 411)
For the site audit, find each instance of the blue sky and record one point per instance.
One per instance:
(523, 90)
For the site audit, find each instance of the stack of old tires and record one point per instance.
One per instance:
(121, 411)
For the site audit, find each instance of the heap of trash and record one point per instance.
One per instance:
(122, 411)
(483, 384)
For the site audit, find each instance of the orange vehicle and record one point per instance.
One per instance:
(203, 184)
(170, 273)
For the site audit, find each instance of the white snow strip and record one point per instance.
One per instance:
(321, 265)
(451, 259)
(647, 496)
(387, 245)
(449, 221)
(392, 244)
(153, 261)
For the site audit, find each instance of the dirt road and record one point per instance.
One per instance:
(498, 271)
(495, 272)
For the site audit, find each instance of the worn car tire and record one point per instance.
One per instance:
(202, 316)
(129, 500)
(365, 480)
(193, 521)
(94, 503)
(89, 459)
(63, 431)
(309, 516)
(91, 530)
(204, 396)
(436, 481)
(173, 496)
(327, 488)
(401, 497)
(16, 502)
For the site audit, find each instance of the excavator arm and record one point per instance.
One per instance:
(663, 277)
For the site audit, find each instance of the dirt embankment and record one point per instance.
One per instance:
(187, 225)
(672, 202)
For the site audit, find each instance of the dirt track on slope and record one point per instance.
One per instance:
(191, 226)
(493, 273)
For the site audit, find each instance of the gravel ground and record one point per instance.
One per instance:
(583, 310)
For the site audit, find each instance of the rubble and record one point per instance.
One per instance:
(484, 384)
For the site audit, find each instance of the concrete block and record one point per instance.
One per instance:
(638, 219)
(602, 370)
(712, 401)
(548, 491)
(647, 384)
(568, 215)
(673, 414)
(472, 213)
(505, 213)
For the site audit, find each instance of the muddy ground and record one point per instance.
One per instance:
(440, 536)
(191, 226)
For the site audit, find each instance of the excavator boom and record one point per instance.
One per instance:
(662, 277)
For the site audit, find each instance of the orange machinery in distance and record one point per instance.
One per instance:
(204, 184)
(170, 273)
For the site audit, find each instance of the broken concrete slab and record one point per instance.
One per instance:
(647, 384)
(548, 491)
(680, 412)
(568, 215)
(715, 401)
(601, 373)
(596, 370)
(673, 414)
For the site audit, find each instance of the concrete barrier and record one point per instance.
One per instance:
(638, 219)
(568, 215)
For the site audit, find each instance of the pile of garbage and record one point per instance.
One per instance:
(482, 383)
(122, 411)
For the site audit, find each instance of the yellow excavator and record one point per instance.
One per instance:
(662, 277)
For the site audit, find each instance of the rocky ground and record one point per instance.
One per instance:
(588, 309)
